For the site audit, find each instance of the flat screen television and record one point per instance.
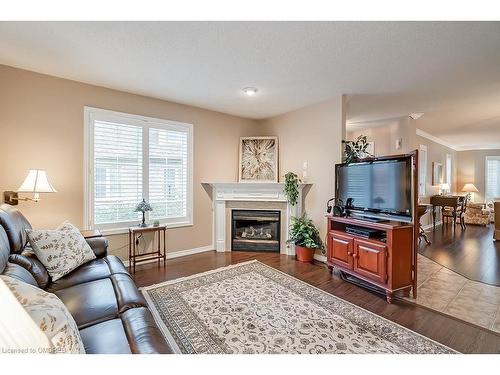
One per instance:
(380, 188)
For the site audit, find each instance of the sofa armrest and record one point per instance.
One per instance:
(30, 263)
(99, 246)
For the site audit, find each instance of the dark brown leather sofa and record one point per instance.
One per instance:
(110, 312)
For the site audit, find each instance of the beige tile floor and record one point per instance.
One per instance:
(448, 292)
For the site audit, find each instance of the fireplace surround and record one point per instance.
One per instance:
(251, 195)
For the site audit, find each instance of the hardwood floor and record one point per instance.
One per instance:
(471, 253)
(457, 334)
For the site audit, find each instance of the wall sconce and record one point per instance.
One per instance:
(36, 182)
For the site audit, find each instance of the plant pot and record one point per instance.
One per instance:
(304, 254)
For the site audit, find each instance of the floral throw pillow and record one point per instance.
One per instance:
(49, 313)
(67, 226)
(61, 250)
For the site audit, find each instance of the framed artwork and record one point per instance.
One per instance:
(258, 159)
(437, 173)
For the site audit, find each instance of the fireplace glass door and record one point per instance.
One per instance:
(256, 230)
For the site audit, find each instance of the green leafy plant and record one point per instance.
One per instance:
(304, 233)
(291, 188)
(356, 150)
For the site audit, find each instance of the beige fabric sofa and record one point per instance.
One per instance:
(477, 213)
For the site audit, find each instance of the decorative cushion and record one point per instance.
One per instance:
(67, 226)
(50, 314)
(61, 250)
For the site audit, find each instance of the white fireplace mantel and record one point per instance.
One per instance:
(223, 192)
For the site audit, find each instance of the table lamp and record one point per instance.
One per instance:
(36, 182)
(445, 188)
(143, 207)
(470, 189)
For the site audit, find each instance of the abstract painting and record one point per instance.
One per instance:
(258, 159)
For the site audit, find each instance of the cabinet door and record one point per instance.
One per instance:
(370, 260)
(340, 249)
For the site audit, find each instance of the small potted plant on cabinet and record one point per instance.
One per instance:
(306, 237)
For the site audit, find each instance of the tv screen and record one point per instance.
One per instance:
(378, 187)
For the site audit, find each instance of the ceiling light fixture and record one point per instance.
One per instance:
(250, 91)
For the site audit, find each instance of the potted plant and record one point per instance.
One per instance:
(356, 150)
(306, 237)
(291, 188)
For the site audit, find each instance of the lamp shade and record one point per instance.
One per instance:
(470, 188)
(36, 182)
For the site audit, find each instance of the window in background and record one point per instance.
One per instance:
(422, 170)
(492, 174)
(133, 157)
(449, 169)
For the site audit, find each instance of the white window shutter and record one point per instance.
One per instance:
(117, 172)
(168, 173)
(132, 157)
(492, 178)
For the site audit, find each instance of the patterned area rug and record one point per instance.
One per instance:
(253, 308)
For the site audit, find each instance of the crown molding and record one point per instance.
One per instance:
(489, 146)
(435, 139)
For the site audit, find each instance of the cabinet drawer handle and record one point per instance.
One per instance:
(354, 255)
(349, 254)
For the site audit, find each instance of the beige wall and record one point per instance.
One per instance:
(41, 126)
(471, 169)
(385, 135)
(313, 135)
(437, 153)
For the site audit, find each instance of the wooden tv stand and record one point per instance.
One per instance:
(390, 265)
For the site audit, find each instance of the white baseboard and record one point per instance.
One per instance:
(180, 253)
(320, 258)
(429, 226)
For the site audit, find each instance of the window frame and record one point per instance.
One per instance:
(488, 157)
(92, 114)
(449, 170)
(422, 172)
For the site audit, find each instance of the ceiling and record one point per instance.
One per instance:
(463, 119)
(449, 70)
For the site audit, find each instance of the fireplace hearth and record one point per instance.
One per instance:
(256, 230)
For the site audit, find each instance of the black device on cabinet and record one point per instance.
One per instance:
(337, 207)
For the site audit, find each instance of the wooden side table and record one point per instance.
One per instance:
(160, 253)
(92, 233)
